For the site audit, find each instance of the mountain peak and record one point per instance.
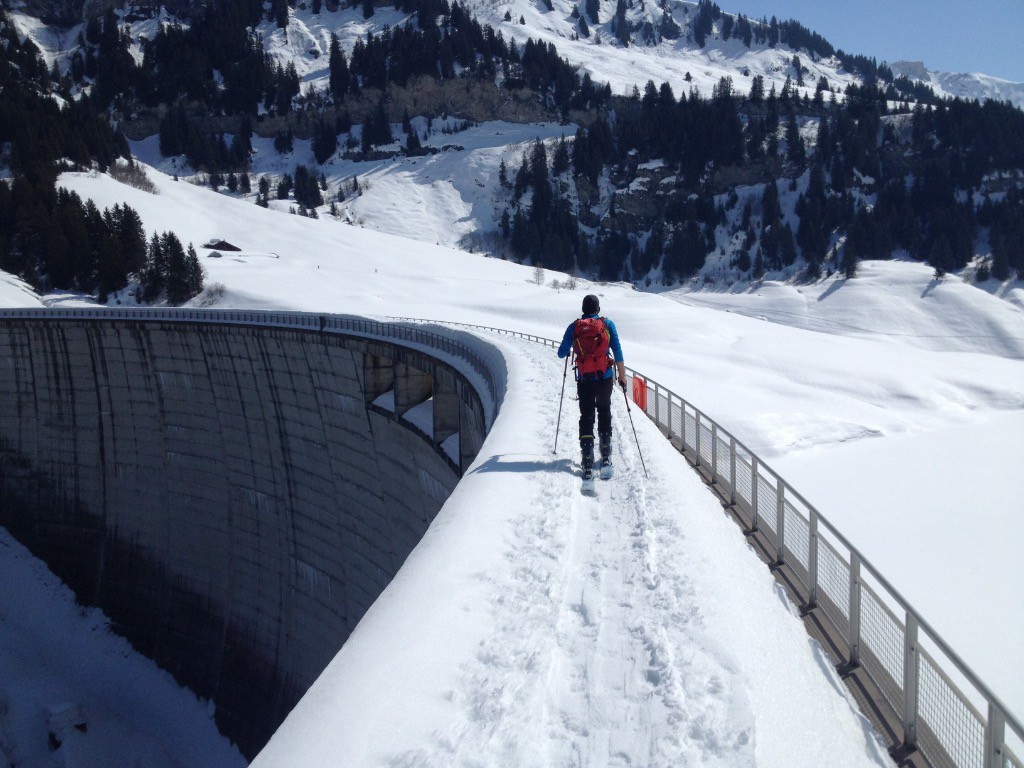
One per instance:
(912, 69)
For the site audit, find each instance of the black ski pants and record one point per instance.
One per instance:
(595, 395)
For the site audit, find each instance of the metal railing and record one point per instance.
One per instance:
(942, 711)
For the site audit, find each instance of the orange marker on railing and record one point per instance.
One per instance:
(640, 393)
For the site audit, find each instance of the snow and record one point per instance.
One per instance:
(441, 198)
(58, 656)
(15, 292)
(533, 626)
(974, 85)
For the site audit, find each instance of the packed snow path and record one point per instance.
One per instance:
(535, 626)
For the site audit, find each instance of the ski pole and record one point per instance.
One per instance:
(630, 412)
(558, 424)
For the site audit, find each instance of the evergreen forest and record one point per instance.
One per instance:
(799, 183)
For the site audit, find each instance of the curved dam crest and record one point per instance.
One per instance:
(234, 495)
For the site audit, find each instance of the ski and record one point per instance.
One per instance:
(587, 488)
(606, 470)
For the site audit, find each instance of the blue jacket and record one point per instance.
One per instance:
(566, 347)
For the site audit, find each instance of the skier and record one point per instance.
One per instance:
(591, 339)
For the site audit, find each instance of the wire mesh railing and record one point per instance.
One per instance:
(944, 712)
(935, 698)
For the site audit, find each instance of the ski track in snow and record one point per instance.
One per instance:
(598, 656)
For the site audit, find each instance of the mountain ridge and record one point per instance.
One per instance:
(709, 61)
(731, 171)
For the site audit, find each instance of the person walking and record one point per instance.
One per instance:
(597, 361)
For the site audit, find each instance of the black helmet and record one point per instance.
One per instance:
(591, 305)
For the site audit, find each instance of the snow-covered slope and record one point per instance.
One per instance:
(974, 85)
(59, 658)
(680, 62)
(667, 61)
(904, 433)
(307, 38)
(16, 293)
(451, 198)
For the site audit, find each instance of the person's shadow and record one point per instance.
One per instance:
(509, 463)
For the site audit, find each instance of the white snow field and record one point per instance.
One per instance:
(58, 657)
(533, 626)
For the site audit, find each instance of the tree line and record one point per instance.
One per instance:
(865, 187)
(865, 190)
(48, 236)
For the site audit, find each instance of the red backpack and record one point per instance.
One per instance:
(590, 343)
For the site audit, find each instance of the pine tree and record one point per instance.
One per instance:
(284, 187)
(824, 141)
(283, 142)
(560, 163)
(795, 149)
(111, 270)
(86, 259)
(325, 141)
(340, 78)
(177, 269)
(756, 90)
(307, 190)
(194, 274)
(154, 276)
(126, 224)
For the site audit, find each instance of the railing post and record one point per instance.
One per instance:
(853, 631)
(995, 737)
(753, 493)
(812, 561)
(911, 656)
(669, 419)
(780, 522)
(696, 438)
(714, 452)
(732, 470)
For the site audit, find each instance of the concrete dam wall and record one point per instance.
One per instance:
(234, 493)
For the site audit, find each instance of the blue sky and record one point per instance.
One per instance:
(947, 35)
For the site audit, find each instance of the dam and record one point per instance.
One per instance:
(233, 489)
(236, 488)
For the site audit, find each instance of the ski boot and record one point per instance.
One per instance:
(605, 466)
(587, 462)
